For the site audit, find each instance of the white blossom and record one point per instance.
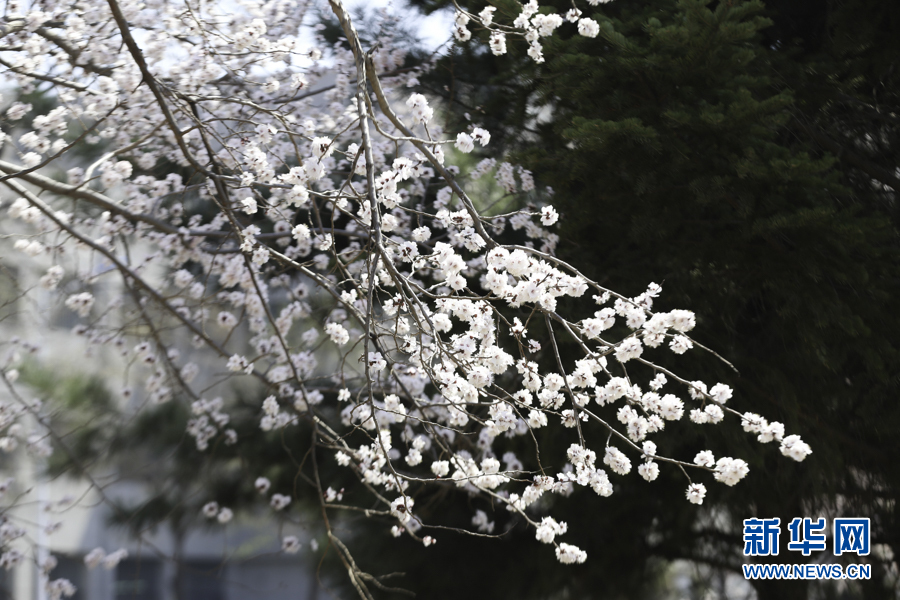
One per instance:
(617, 461)
(225, 515)
(279, 501)
(730, 470)
(569, 554)
(419, 108)
(588, 27)
(262, 485)
(549, 216)
(210, 510)
(649, 470)
(704, 458)
(498, 43)
(696, 492)
(793, 447)
(487, 15)
(80, 303)
(337, 333)
(464, 142)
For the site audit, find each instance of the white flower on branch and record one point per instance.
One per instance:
(695, 493)
(325, 250)
(588, 27)
(498, 43)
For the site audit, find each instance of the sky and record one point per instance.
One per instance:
(433, 29)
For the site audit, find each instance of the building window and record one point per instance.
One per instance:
(203, 580)
(138, 579)
(73, 569)
(6, 584)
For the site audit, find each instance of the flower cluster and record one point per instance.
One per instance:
(327, 255)
(531, 24)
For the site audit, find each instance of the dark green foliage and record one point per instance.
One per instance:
(738, 154)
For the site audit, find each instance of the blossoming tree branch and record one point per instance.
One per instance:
(318, 185)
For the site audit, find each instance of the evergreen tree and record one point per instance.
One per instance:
(744, 156)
